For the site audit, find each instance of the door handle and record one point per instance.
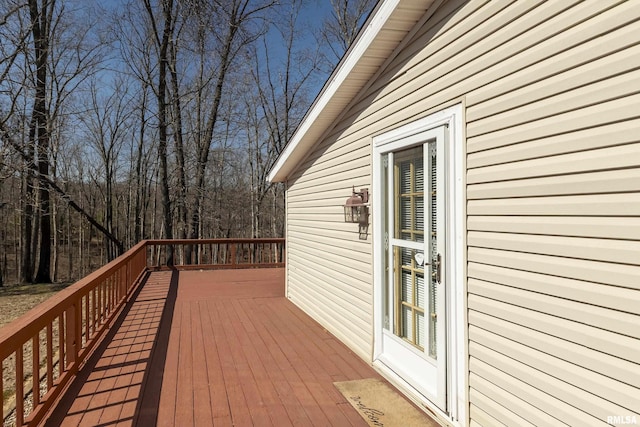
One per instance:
(437, 267)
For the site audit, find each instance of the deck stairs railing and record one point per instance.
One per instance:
(42, 351)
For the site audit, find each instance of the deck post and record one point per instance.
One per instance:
(233, 255)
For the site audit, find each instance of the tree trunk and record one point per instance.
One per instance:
(108, 218)
(44, 266)
(69, 245)
(179, 144)
(55, 255)
(40, 30)
(26, 270)
(162, 128)
(138, 228)
(203, 151)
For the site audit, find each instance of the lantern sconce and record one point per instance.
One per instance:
(356, 208)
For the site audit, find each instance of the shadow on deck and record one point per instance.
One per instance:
(216, 347)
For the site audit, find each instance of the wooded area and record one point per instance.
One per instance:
(149, 119)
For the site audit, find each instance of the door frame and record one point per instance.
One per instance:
(456, 319)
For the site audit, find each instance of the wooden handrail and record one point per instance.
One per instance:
(220, 253)
(70, 318)
(80, 314)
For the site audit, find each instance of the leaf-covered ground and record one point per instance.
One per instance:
(16, 300)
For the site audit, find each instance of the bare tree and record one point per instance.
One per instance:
(41, 14)
(239, 23)
(64, 55)
(215, 89)
(163, 24)
(14, 33)
(141, 164)
(53, 55)
(276, 106)
(341, 28)
(133, 32)
(107, 125)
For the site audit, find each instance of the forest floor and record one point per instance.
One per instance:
(15, 300)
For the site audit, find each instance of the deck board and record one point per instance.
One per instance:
(201, 348)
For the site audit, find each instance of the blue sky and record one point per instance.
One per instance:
(313, 11)
(312, 15)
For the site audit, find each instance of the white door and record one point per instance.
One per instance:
(411, 339)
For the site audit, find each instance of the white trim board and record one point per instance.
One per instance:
(457, 398)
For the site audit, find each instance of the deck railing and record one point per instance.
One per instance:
(46, 346)
(217, 253)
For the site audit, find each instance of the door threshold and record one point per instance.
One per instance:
(413, 395)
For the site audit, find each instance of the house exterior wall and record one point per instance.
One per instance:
(329, 268)
(552, 111)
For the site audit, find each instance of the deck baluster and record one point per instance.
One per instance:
(19, 386)
(85, 310)
(62, 362)
(71, 338)
(35, 369)
(87, 323)
(49, 356)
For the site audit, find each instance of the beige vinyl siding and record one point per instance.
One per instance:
(329, 267)
(553, 203)
(552, 107)
(481, 418)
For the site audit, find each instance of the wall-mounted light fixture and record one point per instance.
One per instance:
(356, 208)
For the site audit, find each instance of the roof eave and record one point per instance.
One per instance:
(351, 75)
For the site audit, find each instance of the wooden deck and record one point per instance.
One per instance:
(213, 348)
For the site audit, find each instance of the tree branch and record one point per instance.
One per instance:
(4, 134)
